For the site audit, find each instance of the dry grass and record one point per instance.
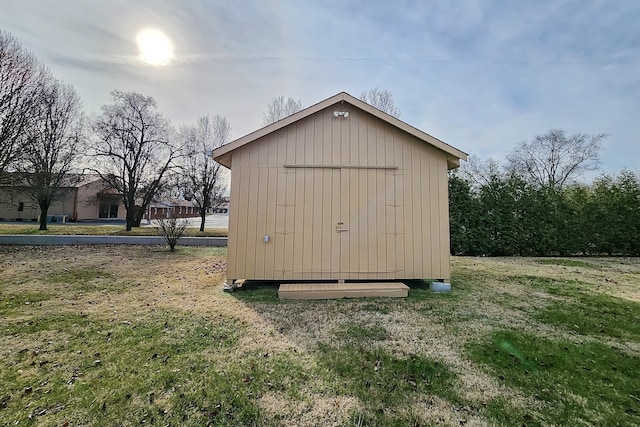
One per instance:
(101, 230)
(119, 285)
(619, 277)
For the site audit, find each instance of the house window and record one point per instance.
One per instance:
(108, 210)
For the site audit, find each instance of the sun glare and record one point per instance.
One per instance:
(155, 47)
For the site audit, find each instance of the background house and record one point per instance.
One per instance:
(83, 198)
(222, 206)
(338, 191)
(167, 208)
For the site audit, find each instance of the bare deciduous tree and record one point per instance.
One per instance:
(279, 108)
(52, 144)
(204, 183)
(382, 100)
(479, 172)
(20, 76)
(554, 159)
(132, 151)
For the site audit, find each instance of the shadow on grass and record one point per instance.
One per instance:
(588, 383)
(262, 292)
(353, 353)
(267, 292)
(386, 382)
(164, 369)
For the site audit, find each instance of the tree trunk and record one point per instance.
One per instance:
(206, 202)
(138, 213)
(203, 216)
(132, 210)
(44, 210)
(130, 214)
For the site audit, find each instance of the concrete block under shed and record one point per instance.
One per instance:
(440, 287)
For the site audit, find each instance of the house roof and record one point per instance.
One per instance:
(223, 154)
(170, 203)
(80, 180)
(70, 180)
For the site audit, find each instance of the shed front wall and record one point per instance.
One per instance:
(388, 188)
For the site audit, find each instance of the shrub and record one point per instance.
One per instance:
(172, 229)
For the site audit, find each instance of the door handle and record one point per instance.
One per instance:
(340, 228)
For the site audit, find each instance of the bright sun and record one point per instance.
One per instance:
(155, 47)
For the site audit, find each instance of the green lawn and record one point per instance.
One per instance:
(112, 335)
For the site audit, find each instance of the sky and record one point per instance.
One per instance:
(481, 75)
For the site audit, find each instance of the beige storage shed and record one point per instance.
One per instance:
(338, 191)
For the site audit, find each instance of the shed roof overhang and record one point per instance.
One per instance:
(223, 154)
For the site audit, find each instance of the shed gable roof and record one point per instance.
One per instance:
(223, 154)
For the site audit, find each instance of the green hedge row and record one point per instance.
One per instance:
(506, 216)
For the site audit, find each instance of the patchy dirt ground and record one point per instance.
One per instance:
(488, 294)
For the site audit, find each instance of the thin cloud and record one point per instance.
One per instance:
(480, 74)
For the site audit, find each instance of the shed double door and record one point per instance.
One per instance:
(349, 222)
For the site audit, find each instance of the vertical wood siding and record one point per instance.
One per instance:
(388, 188)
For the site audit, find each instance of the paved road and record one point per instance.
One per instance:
(213, 221)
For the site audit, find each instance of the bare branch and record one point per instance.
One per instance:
(202, 176)
(53, 138)
(133, 151)
(478, 171)
(382, 100)
(279, 108)
(172, 229)
(20, 77)
(555, 160)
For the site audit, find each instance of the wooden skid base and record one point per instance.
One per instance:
(342, 290)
